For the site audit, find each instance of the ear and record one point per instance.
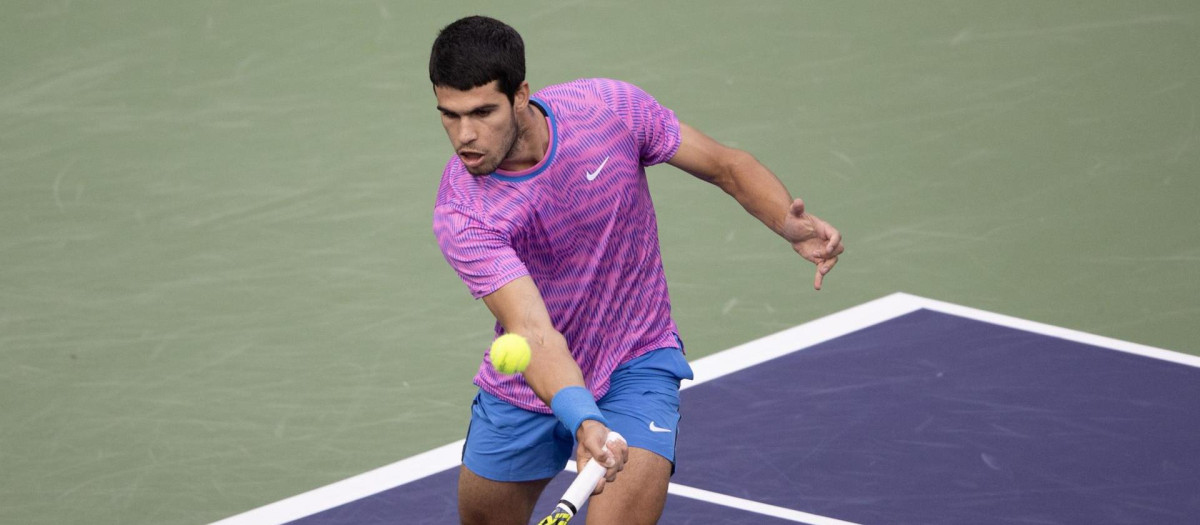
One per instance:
(521, 97)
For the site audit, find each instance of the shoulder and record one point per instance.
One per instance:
(602, 99)
(606, 91)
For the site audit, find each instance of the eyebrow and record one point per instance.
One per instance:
(487, 107)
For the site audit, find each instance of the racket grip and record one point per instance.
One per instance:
(581, 489)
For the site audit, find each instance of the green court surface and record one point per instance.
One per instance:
(218, 281)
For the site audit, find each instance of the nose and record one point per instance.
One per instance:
(466, 132)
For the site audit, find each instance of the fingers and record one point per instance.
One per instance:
(834, 247)
(814, 239)
(618, 455)
(608, 448)
(823, 268)
(617, 448)
(833, 238)
(826, 255)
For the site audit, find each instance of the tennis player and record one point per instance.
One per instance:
(545, 213)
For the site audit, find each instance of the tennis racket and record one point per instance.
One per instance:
(580, 490)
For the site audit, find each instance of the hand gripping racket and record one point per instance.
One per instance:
(580, 490)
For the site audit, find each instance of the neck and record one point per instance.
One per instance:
(533, 137)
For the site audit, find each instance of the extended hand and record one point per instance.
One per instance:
(812, 238)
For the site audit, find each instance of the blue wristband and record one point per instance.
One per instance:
(573, 405)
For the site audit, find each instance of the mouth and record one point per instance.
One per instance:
(471, 159)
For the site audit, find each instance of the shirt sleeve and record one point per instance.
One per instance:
(482, 256)
(655, 128)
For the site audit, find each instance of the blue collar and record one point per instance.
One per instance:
(549, 158)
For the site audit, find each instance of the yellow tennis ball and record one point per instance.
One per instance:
(510, 354)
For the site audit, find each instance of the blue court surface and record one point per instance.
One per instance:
(901, 410)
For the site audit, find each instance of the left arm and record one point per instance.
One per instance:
(762, 194)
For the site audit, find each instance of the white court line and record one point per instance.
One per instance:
(726, 500)
(354, 488)
(1052, 331)
(705, 369)
(800, 337)
(752, 506)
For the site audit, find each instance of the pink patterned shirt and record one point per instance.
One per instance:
(580, 223)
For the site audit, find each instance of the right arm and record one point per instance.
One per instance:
(483, 257)
(519, 308)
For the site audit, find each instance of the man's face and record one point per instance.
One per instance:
(481, 124)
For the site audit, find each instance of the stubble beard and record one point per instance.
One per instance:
(514, 134)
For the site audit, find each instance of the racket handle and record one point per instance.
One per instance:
(581, 489)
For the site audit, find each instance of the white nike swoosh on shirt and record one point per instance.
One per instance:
(656, 428)
(591, 175)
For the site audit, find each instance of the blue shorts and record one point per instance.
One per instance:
(507, 443)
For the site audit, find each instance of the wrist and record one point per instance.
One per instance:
(588, 424)
(573, 405)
